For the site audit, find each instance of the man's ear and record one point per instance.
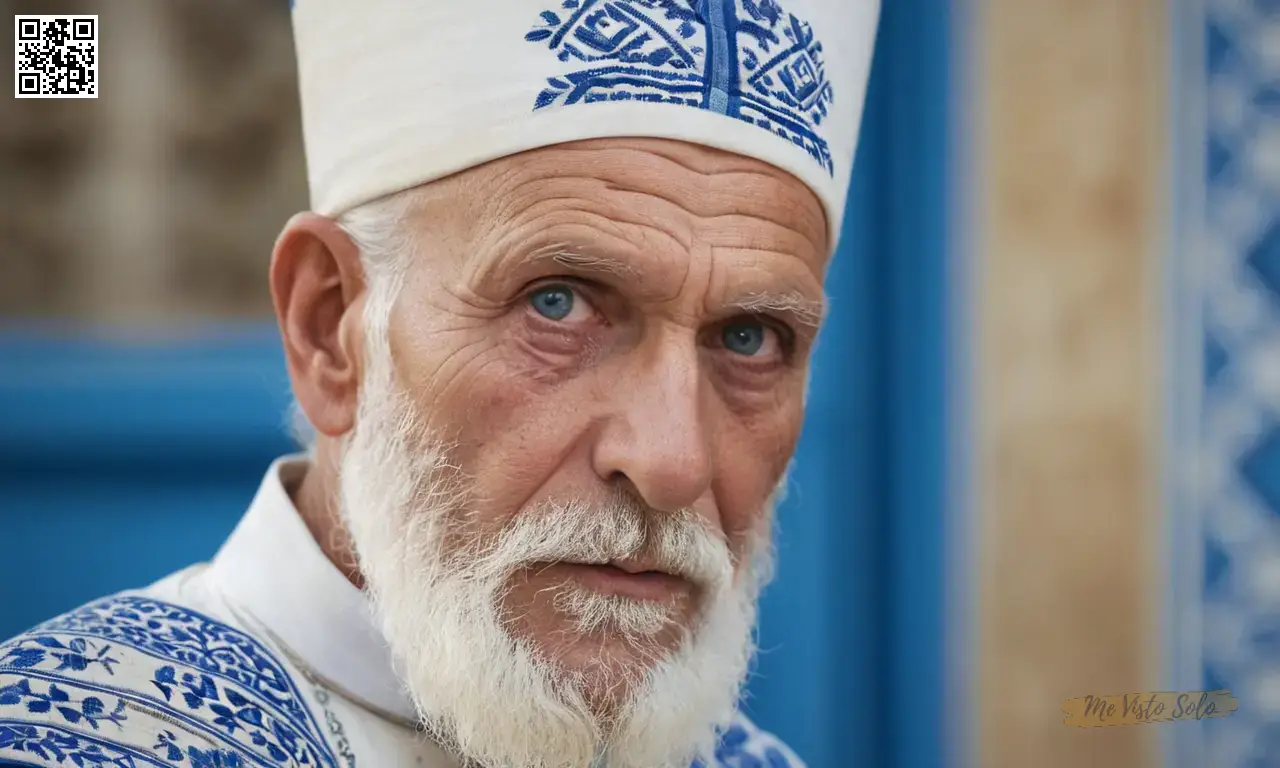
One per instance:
(318, 288)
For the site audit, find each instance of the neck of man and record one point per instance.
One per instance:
(316, 499)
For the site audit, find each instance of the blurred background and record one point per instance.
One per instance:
(1043, 452)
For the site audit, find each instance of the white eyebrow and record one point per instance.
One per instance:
(593, 262)
(807, 311)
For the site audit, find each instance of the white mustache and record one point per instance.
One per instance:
(577, 532)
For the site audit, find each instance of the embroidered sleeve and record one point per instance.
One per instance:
(133, 681)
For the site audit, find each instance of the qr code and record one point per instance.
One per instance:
(56, 57)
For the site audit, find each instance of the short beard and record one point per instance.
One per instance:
(493, 698)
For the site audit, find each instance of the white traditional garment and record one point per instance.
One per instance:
(396, 94)
(267, 656)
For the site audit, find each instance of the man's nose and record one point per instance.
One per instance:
(656, 439)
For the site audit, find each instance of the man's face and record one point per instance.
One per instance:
(570, 432)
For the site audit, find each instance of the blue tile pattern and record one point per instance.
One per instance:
(1238, 456)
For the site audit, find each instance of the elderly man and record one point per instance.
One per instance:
(550, 325)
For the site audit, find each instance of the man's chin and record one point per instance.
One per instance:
(606, 667)
(531, 684)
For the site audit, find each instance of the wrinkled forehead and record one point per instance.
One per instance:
(626, 206)
(724, 191)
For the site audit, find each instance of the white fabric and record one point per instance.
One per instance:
(268, 656)
(396, 94)
(274, 572)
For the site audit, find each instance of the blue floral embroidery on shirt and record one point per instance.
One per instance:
(747, 59)
(743, 746)
(62, 701)
(52, 745)
(88, 710)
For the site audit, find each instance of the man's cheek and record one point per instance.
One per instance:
(453, 377)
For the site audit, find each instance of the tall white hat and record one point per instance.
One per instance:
(397, 93)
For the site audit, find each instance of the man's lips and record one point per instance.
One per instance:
(630, 579)
(636, 566)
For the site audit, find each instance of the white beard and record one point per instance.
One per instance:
(493, 698)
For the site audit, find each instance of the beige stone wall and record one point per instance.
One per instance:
(159, 201)
(1070, 126)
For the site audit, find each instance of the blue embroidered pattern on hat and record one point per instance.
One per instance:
(747, 59)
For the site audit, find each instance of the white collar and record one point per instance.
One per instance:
(271, 568)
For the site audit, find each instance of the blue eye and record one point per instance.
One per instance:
(745, 338)
(554, 302)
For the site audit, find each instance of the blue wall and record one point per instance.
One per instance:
(120, 463)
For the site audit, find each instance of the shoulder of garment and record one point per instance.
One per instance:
(743, 745)
(130, 680)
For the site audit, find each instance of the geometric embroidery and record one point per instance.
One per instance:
(747, 59)
(130, 681)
